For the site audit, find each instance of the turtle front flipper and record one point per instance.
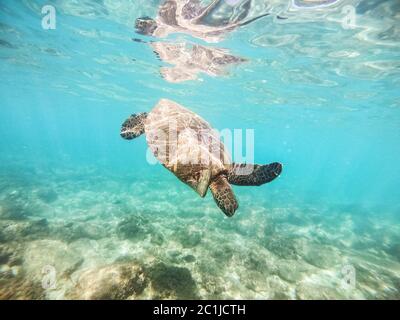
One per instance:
(133, 126)
(253, 175)
(224, 196)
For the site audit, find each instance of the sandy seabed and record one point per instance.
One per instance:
(71, 234)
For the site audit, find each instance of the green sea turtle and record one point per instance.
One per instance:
(187, 146)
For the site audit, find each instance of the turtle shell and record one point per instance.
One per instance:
(185, 144)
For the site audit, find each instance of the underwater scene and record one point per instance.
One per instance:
(306, 94)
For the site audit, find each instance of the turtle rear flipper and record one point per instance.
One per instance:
(253, 175)
(224, 196)
(133, 126)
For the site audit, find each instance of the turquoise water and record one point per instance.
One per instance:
(322, 99)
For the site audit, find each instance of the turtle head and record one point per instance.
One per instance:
(145, 26)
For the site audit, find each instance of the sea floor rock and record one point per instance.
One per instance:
(116, 281)
(312, 291)
(222, 253)
(3, 238)
(134, 227)
(10, 211)
(17, 205)
(47, 195)
(44, 254)
(189, 258)
(76, 230)
(321, 256)
(5, 255)
(20, 288)
(293, 271)
(23, 230)
(394, 250)
(121, 246)
(278, 289)
(35, 229)
(285, 247)
(171, 282)
(189, 238)
(10, 254)
(211, 287)
(157, 238)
